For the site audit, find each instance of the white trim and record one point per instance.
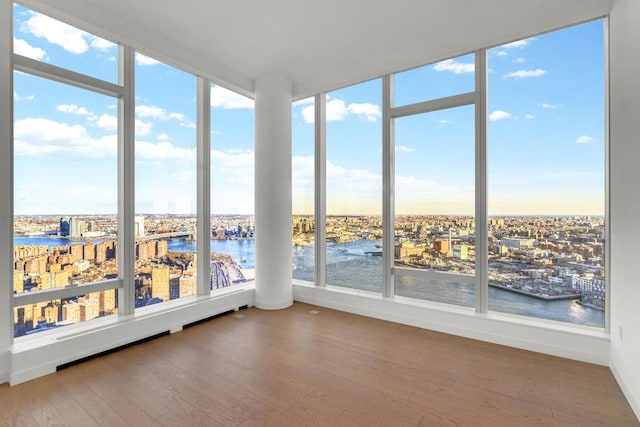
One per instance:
(69, 291)
(203, 148)
(434, 105)
(388, 186)
(481, 192)
(583, 344)
(126, 181)
(62, 75)
(320, 161)
(607, 185)
(6, 185)
(629, 394)
(441, 276)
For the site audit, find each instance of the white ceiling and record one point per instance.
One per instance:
(319, 44)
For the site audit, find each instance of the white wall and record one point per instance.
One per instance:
(625, 196)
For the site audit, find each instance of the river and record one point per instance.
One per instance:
(348, 265)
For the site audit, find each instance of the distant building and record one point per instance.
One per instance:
(139, 225)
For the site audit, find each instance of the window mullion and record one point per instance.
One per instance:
(388, 194)
(320, 189)
(481, 228)
(126, 181)
(204, 186)
(6, 174)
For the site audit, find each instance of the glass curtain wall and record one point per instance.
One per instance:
(354, 187)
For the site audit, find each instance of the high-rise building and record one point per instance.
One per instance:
(139, 225)
(160, 283)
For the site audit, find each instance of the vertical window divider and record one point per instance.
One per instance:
(126, 181)
(607, 186)
(204, 186)
(388, 185)
(481, 213)
(320, 112)
(6, 173)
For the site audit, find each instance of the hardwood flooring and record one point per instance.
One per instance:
(312, 366)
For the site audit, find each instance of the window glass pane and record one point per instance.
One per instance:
(303, 191)
(46, 316)
(354, 187)
(232, 188)
(439, 80)
(45, 39)
(65, 183)
(435, 199)
(165, 183)
(547, 176)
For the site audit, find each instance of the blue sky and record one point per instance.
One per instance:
(546, 133)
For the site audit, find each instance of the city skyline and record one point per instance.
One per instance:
(546, 134)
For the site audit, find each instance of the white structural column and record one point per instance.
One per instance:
(273, 193)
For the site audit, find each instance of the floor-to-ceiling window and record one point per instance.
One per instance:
(65, 174)
(354, 187)
(434, 181)
(303, 189)
(498, 204)
(165, 177)
(232, 189)
(547, 176)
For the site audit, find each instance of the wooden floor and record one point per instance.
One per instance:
(313, 366)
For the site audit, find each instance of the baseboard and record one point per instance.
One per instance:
(583, 344)
(42, 355)
(632, 398)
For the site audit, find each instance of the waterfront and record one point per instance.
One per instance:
(348, 265)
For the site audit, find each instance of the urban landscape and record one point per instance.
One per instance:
(546, 258)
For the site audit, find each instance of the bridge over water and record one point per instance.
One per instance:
(189, 235)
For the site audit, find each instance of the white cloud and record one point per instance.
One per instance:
(518, 60)
(112, 107)
(501, 53)
(455, 67)
(69, 38)
(337, 110)
(164, 137)
(446, 121)
(370, 112)
(101, 44)
(584, 139)
(21, 47)
(499, 115)
(529, 116)
(517, 44)
(107, 122)
(143, 128)
(17, 97)
(73, 109)
(145, 60)
(548, 106)
(404, 149)
(163, 150)
(308, 113)
(229, 100)
(39, 136)
(157, 113)
(525, 73)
